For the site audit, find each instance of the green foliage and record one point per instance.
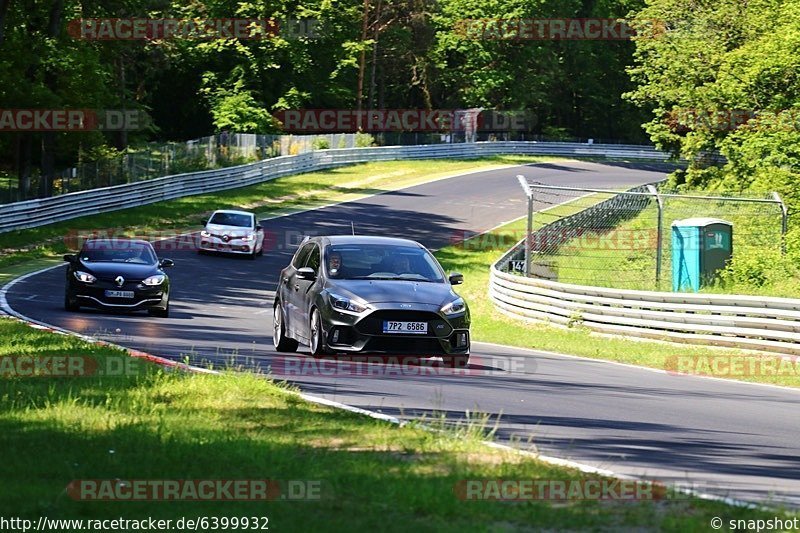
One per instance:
(722, 77)
(321, 143)
(414, 56)
(239, 112)
(364, 140)
(556, 133)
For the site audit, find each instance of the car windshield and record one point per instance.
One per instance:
(381, 261)
(232, 219)
(118, 252)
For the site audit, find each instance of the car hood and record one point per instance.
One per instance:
(109, 270)
(234, 231)
(385, 291)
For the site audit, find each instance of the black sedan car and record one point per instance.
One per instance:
(117, 274)
(377, 295)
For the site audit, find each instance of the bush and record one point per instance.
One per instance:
(758, 271)
(364, 140)
(320, 143)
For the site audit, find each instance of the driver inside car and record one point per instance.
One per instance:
(400, 264)
(335, 264)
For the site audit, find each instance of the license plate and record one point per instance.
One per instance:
(414, 328)
(119, 294)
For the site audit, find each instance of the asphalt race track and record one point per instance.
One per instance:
(726, 438)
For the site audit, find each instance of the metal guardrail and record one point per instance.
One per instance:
(746, 322)
(33, 213)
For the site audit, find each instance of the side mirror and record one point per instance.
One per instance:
(306, 273)
(204, 222)
(456, 278)
(166, 263)
(259, 227)
(70, 258)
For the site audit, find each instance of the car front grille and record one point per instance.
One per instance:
(373, 324)
(407, 345)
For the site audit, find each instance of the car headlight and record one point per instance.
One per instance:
(84, 277)
(153, 281)
(454, 307)
(205, 233)
(249, 237)
(347, 305)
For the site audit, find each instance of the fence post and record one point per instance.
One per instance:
(659, 233)
(784, 221)
(528, 234)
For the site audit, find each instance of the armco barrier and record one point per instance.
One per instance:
(747, 322)
(33, 213)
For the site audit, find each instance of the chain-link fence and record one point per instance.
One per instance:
(623, 239)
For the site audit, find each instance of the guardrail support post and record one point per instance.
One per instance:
(784, 221)
(659, 233)
(529, 233)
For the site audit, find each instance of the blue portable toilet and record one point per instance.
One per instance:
(700, 248)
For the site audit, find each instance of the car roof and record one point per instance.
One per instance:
(116, 240)
(233, 212)
(368, 239)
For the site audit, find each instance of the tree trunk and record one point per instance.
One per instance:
(49, 137)
(362, 59)
(122, 139)
(24, 165)
(4, 5)
(375, 54)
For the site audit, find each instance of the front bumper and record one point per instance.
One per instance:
(144, 297)
(232, 246)
(446, 335)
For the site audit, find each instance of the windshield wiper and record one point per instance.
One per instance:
(394, 278)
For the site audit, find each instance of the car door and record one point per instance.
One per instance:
(305, 292)
(289, 288)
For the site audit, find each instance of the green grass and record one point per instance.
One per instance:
(156, 425)
(757, 267)
(473, 259)
(282, 195)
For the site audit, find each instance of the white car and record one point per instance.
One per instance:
(235, 232)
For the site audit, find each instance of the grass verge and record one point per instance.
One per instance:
(154, 425)
(625, 255)
(474, 257)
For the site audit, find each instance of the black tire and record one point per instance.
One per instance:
(70, 304)
(456, 361)
(279, 339)
(261, 250)
(252, 256)
(317, 346)
(160, 313)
